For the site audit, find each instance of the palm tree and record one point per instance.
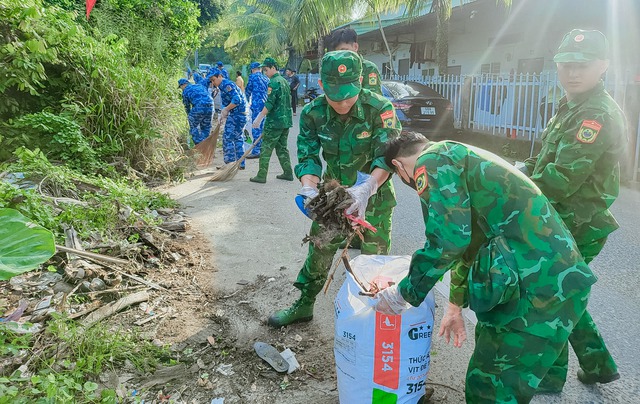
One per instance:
(275, 26)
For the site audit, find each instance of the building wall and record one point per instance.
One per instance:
(522, 39)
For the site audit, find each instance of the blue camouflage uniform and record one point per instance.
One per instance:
(232, 142)
(256, 92)
(220, 66)
(199, 107)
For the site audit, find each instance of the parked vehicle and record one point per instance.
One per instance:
(420, 107)
(310, 94)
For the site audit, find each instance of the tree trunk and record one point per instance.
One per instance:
(386, 44)
(442, 44)
(320, 49)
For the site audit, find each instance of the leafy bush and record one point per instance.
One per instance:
(126, 105)
(60, 137)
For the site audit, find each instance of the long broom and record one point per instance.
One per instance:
(207, 148)
(229, 170)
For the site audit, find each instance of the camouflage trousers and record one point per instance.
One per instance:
(232, 141)
(274, 139)
(585, 339)
(507, 365)
(313, 274)
(256, 132)
(200, 122)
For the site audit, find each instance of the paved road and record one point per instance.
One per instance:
(224, 208)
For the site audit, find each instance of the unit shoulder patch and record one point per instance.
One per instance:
(269, 90)
(588, 131)
(388, 119)
(420, 177)
(373, 79)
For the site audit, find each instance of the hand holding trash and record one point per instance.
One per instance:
(306, 193)
(390, 301)
(364, 188)
(453, 323)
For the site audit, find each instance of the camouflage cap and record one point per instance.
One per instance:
(340, 72)
(254, 65)
(582, 46)
(269, 62)
(214, 72)
(182, 81)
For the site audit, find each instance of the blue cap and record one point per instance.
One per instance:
(182, 81)
(214, 72)
(219, 63)
(254, 65)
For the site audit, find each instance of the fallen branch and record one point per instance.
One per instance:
(94, 256)
(146, 320)
(335, 266)
(92, 307)
(114, 307)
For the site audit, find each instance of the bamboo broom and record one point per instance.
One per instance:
(229, 170)
(207, 148)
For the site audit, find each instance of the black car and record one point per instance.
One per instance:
(420, 107)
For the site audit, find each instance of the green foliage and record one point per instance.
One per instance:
(61, 138)
(23, 245)
(112, 76)
(75, 357)
(100, 198)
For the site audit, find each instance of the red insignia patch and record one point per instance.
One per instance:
(342, 69)
(579, 38)
(588, 131)
(420, 177)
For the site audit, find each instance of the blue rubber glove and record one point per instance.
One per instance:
(361, 191)
(305, 194)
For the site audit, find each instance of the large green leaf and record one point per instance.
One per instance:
(23, 244)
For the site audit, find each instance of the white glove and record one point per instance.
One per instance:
(522, 167)
(308, 192)
(390, 301)
(361, 194)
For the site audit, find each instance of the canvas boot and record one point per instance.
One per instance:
(590, 378)
(261, 177)
(285, 176)
(300, 311)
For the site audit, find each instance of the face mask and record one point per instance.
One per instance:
(411, 183)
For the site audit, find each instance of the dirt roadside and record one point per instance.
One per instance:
(255, 233)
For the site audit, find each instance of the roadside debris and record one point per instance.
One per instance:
(271, 355)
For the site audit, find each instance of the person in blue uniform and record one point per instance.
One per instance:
(256, 93)
(199, 107)
(234, 108)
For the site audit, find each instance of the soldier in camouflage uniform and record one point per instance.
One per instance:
(277, 110)
(256, 94)
(513, 262)
(349, 126)
(578, 170)
(199, 107)
(347, 39)
(234, 110)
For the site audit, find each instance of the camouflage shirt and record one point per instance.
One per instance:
(371, 77)
(278, 103)
(458, 186)
(355, 144)
(230, 93)
(195, 95)
(578, 167)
